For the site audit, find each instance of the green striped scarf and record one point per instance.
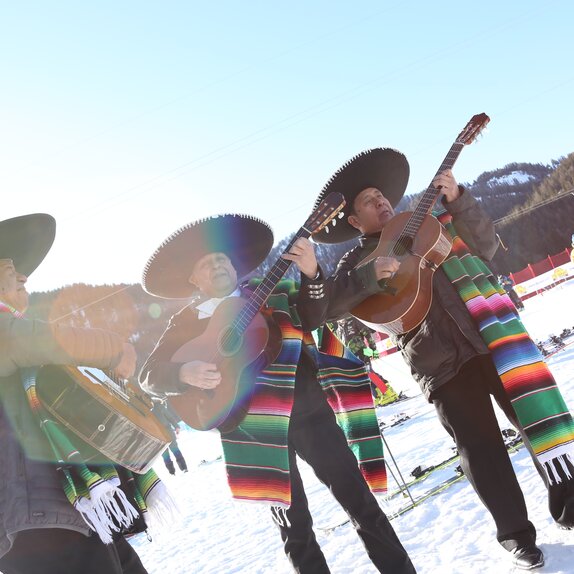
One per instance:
(256, 452)
(95, 491)
(541, 411)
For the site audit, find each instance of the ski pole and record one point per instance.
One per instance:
(404, 484)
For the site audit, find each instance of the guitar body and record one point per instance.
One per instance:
(409, 292)
(225, 405)
(421, 244)
(109, 420)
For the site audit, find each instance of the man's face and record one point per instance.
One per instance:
(372, 211)
(13, 286)
(214, 275)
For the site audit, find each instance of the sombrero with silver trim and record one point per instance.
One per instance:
(26, 240)
(244, 239)
(384, 168)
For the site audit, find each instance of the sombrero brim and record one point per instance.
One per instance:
(26, 240)
(244, 239)
(384, 168)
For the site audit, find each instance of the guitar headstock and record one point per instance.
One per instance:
(472, 129)
(325, 212)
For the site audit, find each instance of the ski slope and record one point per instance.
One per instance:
(450, 533)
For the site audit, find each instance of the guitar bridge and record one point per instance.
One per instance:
(424, 262)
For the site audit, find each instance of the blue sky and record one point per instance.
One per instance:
(126, 120)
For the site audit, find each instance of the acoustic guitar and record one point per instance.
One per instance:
(235, 336)
(420, 243)
(109, 416)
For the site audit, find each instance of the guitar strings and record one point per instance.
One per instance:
(278, 270)
(429, 197)
(258, 297)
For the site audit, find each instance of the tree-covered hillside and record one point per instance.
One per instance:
(530, 201)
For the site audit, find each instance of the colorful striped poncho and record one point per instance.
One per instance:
(256, 452)
(542, 413)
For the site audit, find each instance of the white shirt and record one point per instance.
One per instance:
(207, 308)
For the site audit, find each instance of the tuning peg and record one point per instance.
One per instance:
(341, 215)
(334, 222)
(327, 229)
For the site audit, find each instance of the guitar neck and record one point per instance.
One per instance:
(265, 288)
(431, 194)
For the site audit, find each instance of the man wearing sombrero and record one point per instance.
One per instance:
(298, 396)
(471, 345)
(41, 532)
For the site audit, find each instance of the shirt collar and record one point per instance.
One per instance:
(207, 308)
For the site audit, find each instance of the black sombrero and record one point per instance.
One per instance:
(244, 239)
(26, 240)
(384, 168)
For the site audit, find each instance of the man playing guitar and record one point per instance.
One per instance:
(288, 412)
(446, 352)
(40, 531)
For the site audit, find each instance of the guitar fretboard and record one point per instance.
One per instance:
(264, 289)
(431, 194)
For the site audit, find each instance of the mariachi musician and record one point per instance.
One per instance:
(289, 412)
(457, 364)
(41, 532)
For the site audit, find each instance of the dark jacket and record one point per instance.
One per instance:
(160, 376)
(31, 493)
(447, 338)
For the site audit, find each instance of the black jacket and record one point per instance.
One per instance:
(447, 338)
(160, 375)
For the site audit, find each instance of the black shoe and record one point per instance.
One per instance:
(528, 557)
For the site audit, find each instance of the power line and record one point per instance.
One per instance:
(524, 211)
(499, 221)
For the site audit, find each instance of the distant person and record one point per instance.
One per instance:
(508, 285)
(170, 420)
(41, 531)
(470, 346)
(296, 401)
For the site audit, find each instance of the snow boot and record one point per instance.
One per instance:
(528, 557)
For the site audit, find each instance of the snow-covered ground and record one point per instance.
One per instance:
(448, 533)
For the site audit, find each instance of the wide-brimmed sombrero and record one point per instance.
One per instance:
(26, 240)
(244, 239)
(384, 168)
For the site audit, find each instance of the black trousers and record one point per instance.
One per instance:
(321, 443)
(60, 551)
(465, 409)
(174, 448)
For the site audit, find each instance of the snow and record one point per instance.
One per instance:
(513, 178)
(450, 532)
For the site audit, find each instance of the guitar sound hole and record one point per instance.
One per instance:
(402, 246)
(229, 342)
